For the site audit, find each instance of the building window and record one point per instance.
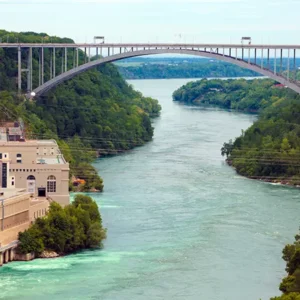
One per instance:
(19, 155)
(19, 161)
(12, 183)
(51, 184)
(30, 177)
(0, 155)
(4, 175)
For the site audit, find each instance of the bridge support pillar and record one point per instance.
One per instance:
(62, 62)
(19, 69)
(42, 64)
(77, 57)
(66, 59)
(29, 72)
(53, 62)
(280, 60)
(288, 65)
(275, 62)
(295, 70)
(51, 65)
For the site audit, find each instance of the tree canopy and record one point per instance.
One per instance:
(65, 230)
(95, 113)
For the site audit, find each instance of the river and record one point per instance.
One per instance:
(181, 223)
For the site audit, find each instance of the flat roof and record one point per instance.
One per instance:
(58, 160)
(29, 143)
(11, 192)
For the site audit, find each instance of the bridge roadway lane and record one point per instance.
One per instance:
(146, 45)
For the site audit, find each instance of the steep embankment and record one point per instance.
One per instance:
(94, 113)
(270, 148)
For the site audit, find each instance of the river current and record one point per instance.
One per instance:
(181, 223)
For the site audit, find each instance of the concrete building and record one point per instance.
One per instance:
(18, 209)
(36, 165)
(32, 174)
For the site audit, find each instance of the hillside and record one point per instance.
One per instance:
(269, 149)
(239, 94)
(95, 113)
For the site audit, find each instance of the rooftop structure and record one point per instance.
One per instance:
(36, 165)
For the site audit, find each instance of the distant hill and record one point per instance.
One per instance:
(164, 66)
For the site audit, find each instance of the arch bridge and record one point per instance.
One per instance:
(278, 62)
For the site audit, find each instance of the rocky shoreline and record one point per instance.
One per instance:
(48, 254)
(280, 181)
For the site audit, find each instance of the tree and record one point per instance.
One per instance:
(30, 243)
(290, 285)
(227, 149)
(95, 235)
(65, 230)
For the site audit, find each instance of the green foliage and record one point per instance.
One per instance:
(29, 242)
(96, 113)
(241, 94)
(201, 69)
(65, 230)
(290, 285)
(94, 235)
(227, 148)
(291, 296)
(270, 148)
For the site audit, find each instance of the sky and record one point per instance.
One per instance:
(191, 21)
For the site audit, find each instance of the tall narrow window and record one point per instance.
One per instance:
(51, 184)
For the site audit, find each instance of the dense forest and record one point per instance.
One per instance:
(96, 113)
(184, 69)
(181, 66)
(64, 230)
(269, 149)
(240, 94)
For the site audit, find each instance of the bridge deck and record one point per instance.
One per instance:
(142, 45)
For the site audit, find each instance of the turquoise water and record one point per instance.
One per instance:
(181, 224)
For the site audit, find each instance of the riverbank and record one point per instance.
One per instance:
(269, 149)
(279, 181)
(179, 220)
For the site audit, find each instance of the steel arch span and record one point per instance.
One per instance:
(294, 85)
